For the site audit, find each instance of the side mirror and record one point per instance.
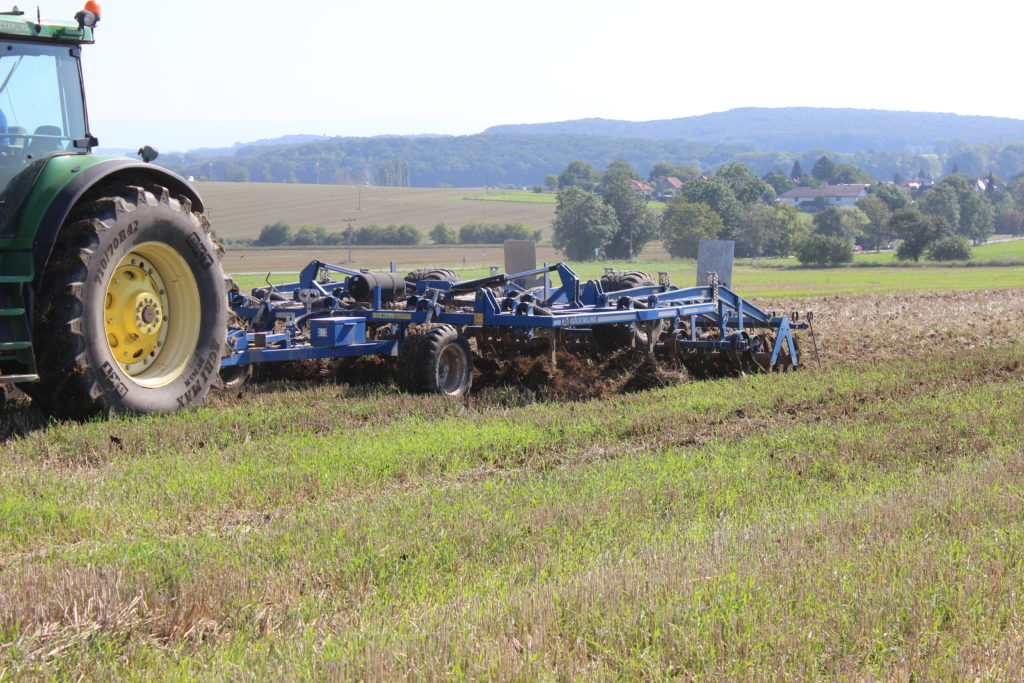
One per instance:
(148, 153)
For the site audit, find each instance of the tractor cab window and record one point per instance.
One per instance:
(42, 113)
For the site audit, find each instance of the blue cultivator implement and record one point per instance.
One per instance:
(437, 324)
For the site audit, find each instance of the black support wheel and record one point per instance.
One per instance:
(233, 378)
(131, 316)
(432, 274)
(626, 279)
(436, 360)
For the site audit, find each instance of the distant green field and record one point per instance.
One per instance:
(534, 198)
(772, 282)
(991, 253)
(515, 196)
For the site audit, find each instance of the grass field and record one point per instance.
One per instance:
(240, 210)
(858, 520)
(533, 197)
(514, 196)
(985, 254)
(881, 271)
(756, 278)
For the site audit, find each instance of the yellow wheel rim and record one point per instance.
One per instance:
(151, 314)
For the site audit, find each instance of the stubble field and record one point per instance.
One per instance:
(860, 519)
(240, 210)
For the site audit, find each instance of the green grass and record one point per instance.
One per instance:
(533, 198)
(514, 196)
(754, 279)
(997, 253)
(858, 522)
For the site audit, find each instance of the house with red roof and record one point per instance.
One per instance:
(667, 188)
(642, 188)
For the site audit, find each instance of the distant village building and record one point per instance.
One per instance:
(814, 198)
(641, 188)
(983, 185)
(667, 188)
(915, 186)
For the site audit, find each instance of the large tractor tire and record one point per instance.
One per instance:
(615, 337)
(626, 279)
(431, 274)
(436, 360)
(131, 316)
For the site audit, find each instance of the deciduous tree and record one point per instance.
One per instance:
(442, 234)
(942, 201)
(824, 250)
(823, 169)
(578, 174)
(583, 223)
(949, 248)
(684, 224)
(637, 224)
(664, 169)
(876, 231)
(894, 197)
(918, 231)
(716, 193)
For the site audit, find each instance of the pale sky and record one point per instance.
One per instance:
(192, 73)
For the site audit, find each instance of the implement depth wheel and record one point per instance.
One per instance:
(437, 360)
(132, 310)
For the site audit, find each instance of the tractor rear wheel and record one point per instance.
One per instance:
(131, 316)
(436, 360)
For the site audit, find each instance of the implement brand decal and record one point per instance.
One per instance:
(391, 316)
(592, 319)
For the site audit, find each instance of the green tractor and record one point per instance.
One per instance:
(112, 297)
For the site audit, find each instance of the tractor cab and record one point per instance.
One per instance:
(42, 106)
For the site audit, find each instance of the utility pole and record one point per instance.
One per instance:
(317, 171)
(350, 234)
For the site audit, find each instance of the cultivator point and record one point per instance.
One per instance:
(439, 326)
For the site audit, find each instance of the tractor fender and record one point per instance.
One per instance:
(127, 170)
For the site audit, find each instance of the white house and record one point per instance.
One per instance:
(808, 198)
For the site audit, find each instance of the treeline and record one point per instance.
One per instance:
(281, 234)
(465, 161)
(520, 160)
(841, 130)
(602, 215)
(598, 212)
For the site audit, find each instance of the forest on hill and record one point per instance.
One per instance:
(972, 145)
(800, 128)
